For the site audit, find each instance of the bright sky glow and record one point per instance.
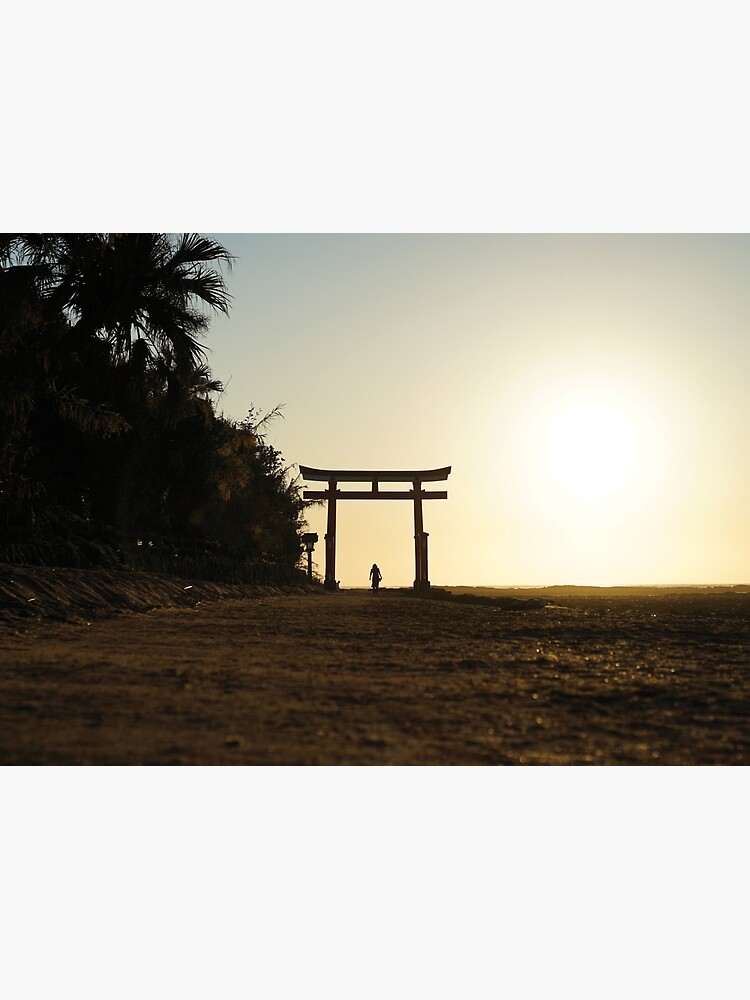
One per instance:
(591, 449)
(589, 392)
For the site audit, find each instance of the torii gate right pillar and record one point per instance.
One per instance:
(421, 580)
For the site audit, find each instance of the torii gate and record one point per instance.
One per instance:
(416, 493)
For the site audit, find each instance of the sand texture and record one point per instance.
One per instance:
(356, 678)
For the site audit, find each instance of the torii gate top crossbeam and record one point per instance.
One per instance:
(374, 475)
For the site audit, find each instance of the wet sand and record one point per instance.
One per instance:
(354, 678)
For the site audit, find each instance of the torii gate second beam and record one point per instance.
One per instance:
(375, 477)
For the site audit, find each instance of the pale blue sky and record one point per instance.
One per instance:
(505, 356)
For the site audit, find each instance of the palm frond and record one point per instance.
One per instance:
(87, 417)
(207, 285)
(15, 404)
(194, 248)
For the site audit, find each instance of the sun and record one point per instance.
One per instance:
(589, 450)
(585, 448)
(590, 446)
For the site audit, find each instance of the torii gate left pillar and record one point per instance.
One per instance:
(417, 494)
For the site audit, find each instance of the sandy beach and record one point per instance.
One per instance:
(315, 678)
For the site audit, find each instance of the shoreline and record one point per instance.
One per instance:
(29, 593)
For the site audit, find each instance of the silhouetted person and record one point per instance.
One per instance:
(376, 576)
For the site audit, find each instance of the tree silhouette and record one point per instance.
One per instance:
(106, 411)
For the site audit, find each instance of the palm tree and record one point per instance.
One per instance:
(125, 313)
(34, 371)
(132, 288)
